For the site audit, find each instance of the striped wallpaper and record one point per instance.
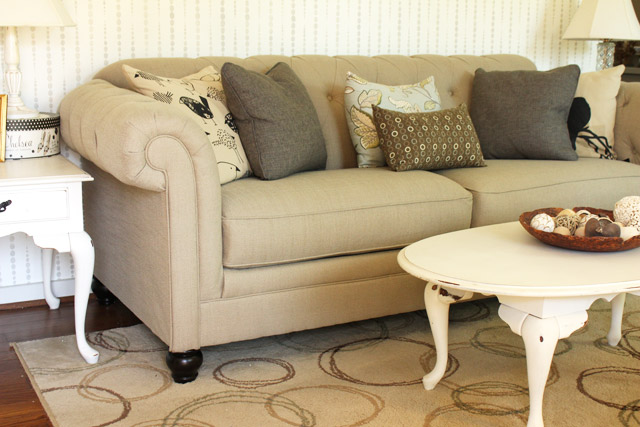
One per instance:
(56, 60)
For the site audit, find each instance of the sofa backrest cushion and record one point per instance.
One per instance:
(324, 78)
(523, 114)
(276, 119)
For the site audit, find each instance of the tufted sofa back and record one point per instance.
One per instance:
(324, 78)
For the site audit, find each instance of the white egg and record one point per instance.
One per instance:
(543, 222)
(628, 232)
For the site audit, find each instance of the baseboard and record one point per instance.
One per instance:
(34, 291)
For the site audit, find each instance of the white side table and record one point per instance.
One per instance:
(42, 197)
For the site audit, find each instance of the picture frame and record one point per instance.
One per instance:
(3, 125)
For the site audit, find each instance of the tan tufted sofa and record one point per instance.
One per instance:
(203, 264)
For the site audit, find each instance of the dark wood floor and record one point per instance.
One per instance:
(19, 405)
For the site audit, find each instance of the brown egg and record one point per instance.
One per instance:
(579, 232)
(592, 228)
(604, 221)
(611, 230)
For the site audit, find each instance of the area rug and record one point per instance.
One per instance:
(360, 374)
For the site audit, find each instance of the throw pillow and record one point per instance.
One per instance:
(360, 95)
(428, 141)
(599, 89)
(202, 97)
(276, 119)
(523, 114)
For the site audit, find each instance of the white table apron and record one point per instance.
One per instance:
(541, 314)
(46, 203)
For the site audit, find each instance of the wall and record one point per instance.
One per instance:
(56, 60)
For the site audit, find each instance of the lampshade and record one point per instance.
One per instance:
(34, 13)
(604, 20)
(25, 13)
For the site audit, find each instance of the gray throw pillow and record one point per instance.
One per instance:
(276, 120)
(523, 114)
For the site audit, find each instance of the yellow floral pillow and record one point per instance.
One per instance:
(359, 97)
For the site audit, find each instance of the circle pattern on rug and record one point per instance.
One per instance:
(143, 378)
(375, 401)
(218, 373)
(328, 362)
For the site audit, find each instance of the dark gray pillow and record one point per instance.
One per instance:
(523, 114)
(276, 120)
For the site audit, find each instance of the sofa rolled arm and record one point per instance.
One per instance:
(149, 145)
(627, 127)
(114, 128)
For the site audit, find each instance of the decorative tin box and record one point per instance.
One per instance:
(34, 137)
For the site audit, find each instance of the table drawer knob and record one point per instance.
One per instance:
(3, 205)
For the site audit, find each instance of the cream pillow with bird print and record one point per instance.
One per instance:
(202, 95)
(360, 95)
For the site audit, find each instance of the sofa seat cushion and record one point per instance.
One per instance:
(506, 188)
(319, 214)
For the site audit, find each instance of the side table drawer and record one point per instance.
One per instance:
(38, 205)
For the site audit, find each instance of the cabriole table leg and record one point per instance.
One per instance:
(617, 309)
(437, 300)
(83, 258)
(540, 336)
(52, 300)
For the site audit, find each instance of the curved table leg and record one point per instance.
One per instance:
(617, 309)
(83, 258)
(438, 314)
(437, 301)
(540, 337)
(47, 258)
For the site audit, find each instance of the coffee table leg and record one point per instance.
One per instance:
(437, 301)
(540, 337)
(617, 309)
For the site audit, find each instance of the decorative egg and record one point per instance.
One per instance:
(570, 222)
(579, 232)
(628, 232)
(567, 212)
(611, 230)
(543, 222)
(593, 228)
(627, 211)
(562, 230)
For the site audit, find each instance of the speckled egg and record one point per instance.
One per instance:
(543, 222)
(627, 211)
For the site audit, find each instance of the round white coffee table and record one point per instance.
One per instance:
(544, 291)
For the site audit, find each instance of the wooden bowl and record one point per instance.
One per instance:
(590, 244)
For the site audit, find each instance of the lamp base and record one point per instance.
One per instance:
(606, 51)
(21, 112)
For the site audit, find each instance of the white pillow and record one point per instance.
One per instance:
(599, 89)
(360, 95)
(201, 95)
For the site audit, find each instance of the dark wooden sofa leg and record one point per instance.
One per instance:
(184, 366)
(103, 295)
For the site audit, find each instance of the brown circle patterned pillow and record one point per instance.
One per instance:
(428, 141)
